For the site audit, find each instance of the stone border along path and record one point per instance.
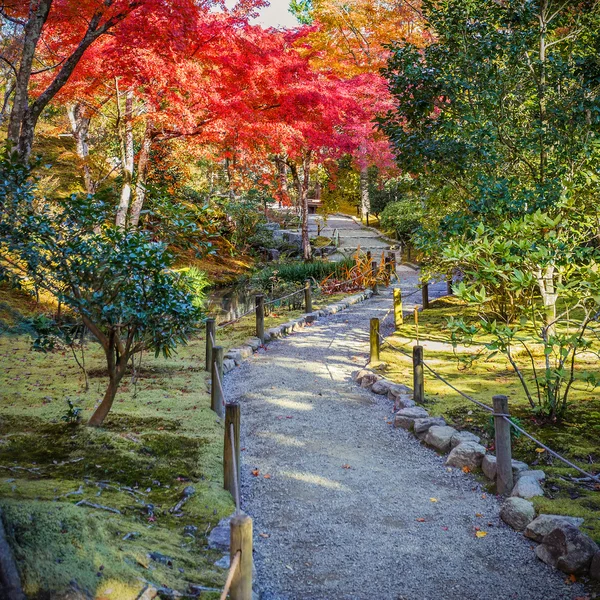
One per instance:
(352, 508)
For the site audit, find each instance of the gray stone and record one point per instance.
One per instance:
(219, 537)
(422, 426)
(595, 567)
(368, 380)
(527, 487)
(234, 354)
(406, 417)
(246, 352)
(224, 562)
(228, 365)
(381, 387)
(312, 317)
(467, 454)
(397, 389)
(254, 343)
(362, 373)
(439, 437)
(274, 333)
(273, 254)
(538, 529)
(537, 474)
(403, 401)
(464, 436)
(517, 512)
(568, 550)
(489, 467)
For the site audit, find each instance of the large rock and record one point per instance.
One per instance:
(381, 387)
(568, 550)
(368, 380)
(398, 389)
(489, 467)
(536, 474)
(538, 529)
(467, 454)
(406, 417)
(422, 426)
(527, 487)
(595, 567)
(403, 401)
(463, 436)
(219, 537)
(439, 437)
(254, 343)
(362, 373)
(517, 512)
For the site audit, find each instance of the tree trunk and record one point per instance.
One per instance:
(140, 184)
(80, 126)
(127, 159)
(306, 249)
(282, 180)
(104, 407)
(365, 204)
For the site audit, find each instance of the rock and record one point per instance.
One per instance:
(439, 437)
(312, 317)
(254, 343)
(381, 387)
(149, 593)
(218, 539)
(538, 529)
(273, 254)
(246, 352)
(517, 512)
(160, 558)
(235, 355)
(489, 467)
(397, 389)
(568, 550)
(463, 436)
(527, 487)
(368, 380)
(421, 426)
(406, 417)
(224, 562)
(228, 365)
(190, 530)
(403, 401)
(359, 376)
(595, 568)
(467, 454)
(537, 474)
(273, 333)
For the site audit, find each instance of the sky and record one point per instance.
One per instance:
(277, 15)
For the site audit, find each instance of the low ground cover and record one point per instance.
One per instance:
(577, 437)
(160, 438)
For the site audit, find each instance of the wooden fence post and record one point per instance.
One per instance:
(308, 297)
(260, 317)
(216, 397)
(398, 315)
(369, 256)
(241, 540)
(211, 334)
(374, 270)
(504, 473)
(418, 379)
(367, 219)
(374, 339)
(232, 417)
(388, 269)
(425, 292)
(449, 283)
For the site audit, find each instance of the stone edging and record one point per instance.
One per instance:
(236, 356)
(561, 544)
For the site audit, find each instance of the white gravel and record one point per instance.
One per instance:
(332, 532)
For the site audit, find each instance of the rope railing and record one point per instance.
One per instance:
(235, 563)
(495, 413)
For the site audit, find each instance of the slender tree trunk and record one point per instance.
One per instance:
(10, 88)
(127, 159)
(282, 179)
(365, 204)
(306, 249)
(80, 126)
(140, 184)
(116, 370)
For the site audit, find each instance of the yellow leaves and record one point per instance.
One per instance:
(540, 450)
(466, 469)
(479, 515)
(433, 499)
(480, 534)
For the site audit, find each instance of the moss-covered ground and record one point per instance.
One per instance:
(159, 438)
(577, 436)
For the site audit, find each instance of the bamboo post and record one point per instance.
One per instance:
(425, 292)
(211, 334)
(374, 275)
(241, 541)
(398, 315)
(504, 473)
(374, 339)
(308, 297)
(418, 379)
(216, 396)
(260, 317)
(232, 417)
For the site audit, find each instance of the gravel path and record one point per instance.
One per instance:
(339, 515)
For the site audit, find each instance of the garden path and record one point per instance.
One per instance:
(353, 509)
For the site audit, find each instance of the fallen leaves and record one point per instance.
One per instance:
(420, 520)
(478, 515)
(480, 534)
(255, 472)
(267, 476)
(264, 535)
(571, 578)
(433, 500)
(346, 467)
(466, 469)
(540, 450)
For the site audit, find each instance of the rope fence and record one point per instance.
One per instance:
(502, 419)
